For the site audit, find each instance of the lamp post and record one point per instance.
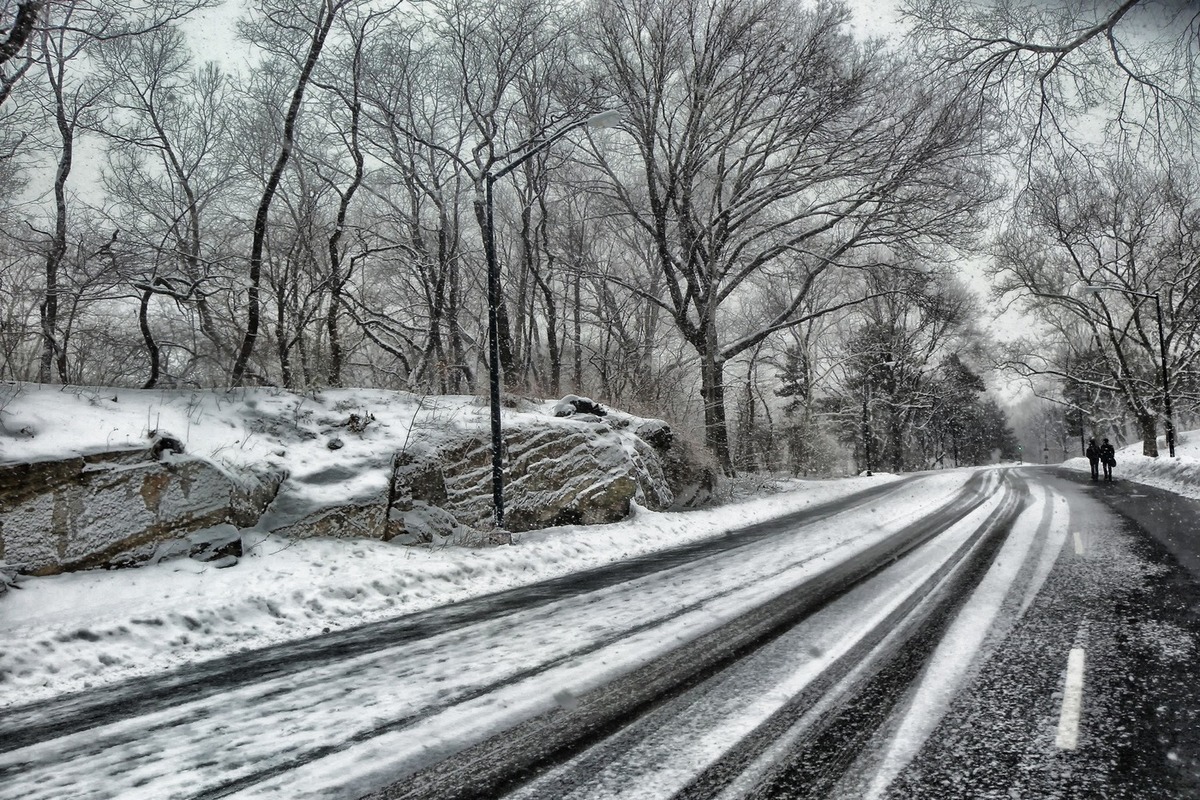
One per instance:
(602, 120)
(866, 425)
(1162, 347)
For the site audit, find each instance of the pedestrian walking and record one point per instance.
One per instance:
(1108, 456)
(1093, 457)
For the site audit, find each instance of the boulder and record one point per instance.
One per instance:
(557, 472)
(223, 541)
(251, 494)
(364, 517)
(422, 523)
(106, 509)
(580, 475)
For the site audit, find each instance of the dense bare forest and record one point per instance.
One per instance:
(733, 214)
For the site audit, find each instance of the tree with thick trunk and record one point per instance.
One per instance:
(766, 139)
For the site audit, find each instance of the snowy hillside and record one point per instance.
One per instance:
(307, 436)
(350, 462)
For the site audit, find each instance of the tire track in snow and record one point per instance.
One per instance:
(22, 726)
(951, 661)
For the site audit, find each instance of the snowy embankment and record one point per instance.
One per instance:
(74, 631)
(1180, 474)
(332, 447)
(71, 631)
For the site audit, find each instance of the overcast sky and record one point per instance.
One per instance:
(875, 17)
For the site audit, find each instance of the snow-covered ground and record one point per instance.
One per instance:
(69, 632)
(73, 631)
(1180, 474)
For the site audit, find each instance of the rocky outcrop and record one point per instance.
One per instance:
(127, 507)
(115, 508)
(558, 473)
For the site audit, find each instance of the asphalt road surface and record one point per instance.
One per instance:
(1025, 633)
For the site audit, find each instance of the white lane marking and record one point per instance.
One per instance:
(1078, 544)
(1072, 702)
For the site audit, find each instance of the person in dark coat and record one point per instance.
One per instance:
(1093, 457)
(1108, 457)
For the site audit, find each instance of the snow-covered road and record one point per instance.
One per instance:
(357, 718)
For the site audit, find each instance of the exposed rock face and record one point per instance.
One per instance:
(558, 473)
(109, 509)
(127, 507)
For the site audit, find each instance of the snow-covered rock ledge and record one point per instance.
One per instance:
(85, 479)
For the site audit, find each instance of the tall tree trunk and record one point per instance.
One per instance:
(283, 346)
(148, 338)
(58, 243)
(553, 347)
(523, 303)
(577, 330)
(457, 351)
(338, 280)
(1148, 426)
(321, 31)
(712, 391)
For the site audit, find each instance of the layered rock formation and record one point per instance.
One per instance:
(116, 508)
(129, 506)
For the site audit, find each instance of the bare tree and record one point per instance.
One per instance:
(916, 317)
(67, 92)
(416, 127)
(293, 33)
(1130, 228)
(764, 136)
(1131, 63)
(167, 123)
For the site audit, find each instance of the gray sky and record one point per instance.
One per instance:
(875, 17)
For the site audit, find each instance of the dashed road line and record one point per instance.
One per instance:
(1072, 702)
(1078, 543)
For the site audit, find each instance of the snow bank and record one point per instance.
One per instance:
(69, 632)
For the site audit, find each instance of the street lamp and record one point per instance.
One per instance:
(602, 120)
(1162, 347)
